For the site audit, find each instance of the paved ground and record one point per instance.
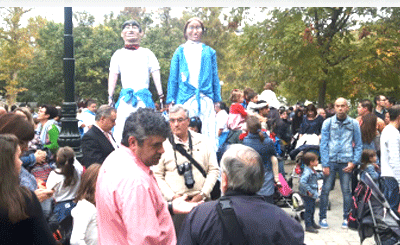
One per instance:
(335, 234)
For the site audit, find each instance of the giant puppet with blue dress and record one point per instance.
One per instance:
(134, 64)
(193, 79)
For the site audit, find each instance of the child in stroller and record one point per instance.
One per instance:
(371, 214)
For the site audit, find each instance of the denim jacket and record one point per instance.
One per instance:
(370, 169)
(340, 141)
(308, 182)
(266, 149)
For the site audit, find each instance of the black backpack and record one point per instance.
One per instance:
(359, 207)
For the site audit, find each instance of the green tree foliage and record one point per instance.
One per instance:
(312, 53)
(304, 50)
(44, 76)
(378, 65)
(94, 47)
(15, 53)
(163, 40)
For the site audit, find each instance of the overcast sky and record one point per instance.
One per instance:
(57, 13)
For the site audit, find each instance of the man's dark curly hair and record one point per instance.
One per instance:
(143, 123)
(51, 111)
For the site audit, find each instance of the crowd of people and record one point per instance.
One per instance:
(192, 172)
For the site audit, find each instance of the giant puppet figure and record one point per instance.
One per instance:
(193, 79)
(134, 63)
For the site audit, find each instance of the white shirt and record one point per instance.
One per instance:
(134, 67)
(56, 182)
(221, 119)
(84, 231)
(87, 118)
(192, 51)
(390, 152)
(270, 97)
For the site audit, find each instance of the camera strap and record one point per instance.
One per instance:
(180, 149)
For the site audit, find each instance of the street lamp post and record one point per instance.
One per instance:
(69, 135)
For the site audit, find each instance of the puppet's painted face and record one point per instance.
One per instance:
(131, 34)
(194, 31)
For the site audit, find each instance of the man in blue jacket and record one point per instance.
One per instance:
(341, 148)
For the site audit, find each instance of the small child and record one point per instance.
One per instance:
(195, 124)
(252, 106)
(237, 114)
(368, 164)
(64, 180)
(84, 214)
(308, 189)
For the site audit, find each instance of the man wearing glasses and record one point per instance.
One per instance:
(175, 173)
(380, 102)
(133, 63)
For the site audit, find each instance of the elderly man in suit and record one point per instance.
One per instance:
(98, 142)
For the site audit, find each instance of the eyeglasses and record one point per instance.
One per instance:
(197, 28)
(179, 120)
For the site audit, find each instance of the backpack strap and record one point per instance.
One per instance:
(230, 223)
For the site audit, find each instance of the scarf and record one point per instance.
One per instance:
(131, 46)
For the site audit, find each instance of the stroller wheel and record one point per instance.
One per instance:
(302, 215)
(296, 217)
(297, 201)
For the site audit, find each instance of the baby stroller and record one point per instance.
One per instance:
(297, 156)
(285, 197)
(371, 214)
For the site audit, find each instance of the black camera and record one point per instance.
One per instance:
(185, 169)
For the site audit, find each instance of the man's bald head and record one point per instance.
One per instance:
(341, 100)
(244, 169)
(341, 108)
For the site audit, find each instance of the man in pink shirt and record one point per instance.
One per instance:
(130, 206)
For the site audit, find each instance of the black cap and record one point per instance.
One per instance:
(133, 23)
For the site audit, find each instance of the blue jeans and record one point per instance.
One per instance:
(309, 204)
(281, 166)
(47, 207)
(268, 187)
(391, 193)
(345, 185)
(63, 209)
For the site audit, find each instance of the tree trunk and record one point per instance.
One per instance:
(321, 95)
